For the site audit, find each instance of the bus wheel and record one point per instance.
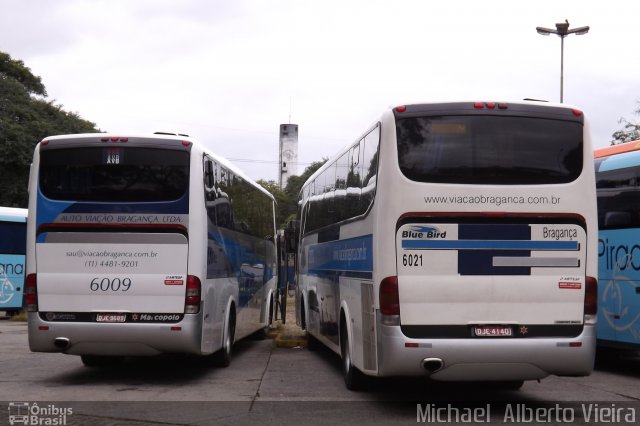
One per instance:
(263, 333)
(353, 378)
(312, 343)
(222, 358)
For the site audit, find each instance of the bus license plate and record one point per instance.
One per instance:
(111, 317)
(493, 331)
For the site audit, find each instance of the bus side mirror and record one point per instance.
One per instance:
(617, 220)
(209, 181)
(291, 234)
(208, 175)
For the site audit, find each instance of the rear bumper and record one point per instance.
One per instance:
(485, 359)
(88, 338)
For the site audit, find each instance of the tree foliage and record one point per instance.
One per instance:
(287, 199)
(25, 119)
(630, 131)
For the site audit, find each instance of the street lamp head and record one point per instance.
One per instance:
(579, 30)
(563, 28)
(545, 31)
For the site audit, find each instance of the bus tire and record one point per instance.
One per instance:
(353, 378)
(222, 358)
(303, 316)
(312, 343)
(263, 333)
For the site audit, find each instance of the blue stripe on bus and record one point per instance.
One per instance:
(353, 256)
(49, 210)
(620, 161)
(488, 245)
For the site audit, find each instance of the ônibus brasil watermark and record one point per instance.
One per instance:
(31, 414)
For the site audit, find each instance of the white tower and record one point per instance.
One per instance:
(288, 161)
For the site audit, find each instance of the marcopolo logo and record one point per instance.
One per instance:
(424, 232)
(26, 413)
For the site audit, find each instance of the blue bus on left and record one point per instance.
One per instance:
(13, 230)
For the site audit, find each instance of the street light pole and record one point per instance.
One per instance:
(562, 69)
(562, 30)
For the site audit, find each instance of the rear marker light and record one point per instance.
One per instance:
(411, 345)
(45, 142)
(401, 108)
(489, 105)
(43, 328)
(389, 299)
(186, 143)
(192, 297)
(176, 328)
(576, 112)
(575, 344)
(114, 139)
(591, 297)
(31, 293)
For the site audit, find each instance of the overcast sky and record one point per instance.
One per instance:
(228, 72)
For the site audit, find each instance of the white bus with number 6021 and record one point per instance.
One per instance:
(144, 245)
(456, 241)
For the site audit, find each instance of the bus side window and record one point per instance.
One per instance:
(313, 210)
(370, 168)
(340, 198)
(329, 193)
(354, 180)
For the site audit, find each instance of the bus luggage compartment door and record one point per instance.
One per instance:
(111, 273)
(488, 279)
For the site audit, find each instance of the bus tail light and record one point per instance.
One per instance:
(192, 298)
(591, 300)
(31, 293)
(390, 301)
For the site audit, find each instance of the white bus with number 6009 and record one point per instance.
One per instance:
(138, 245)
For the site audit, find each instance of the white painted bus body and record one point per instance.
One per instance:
(458, 319)
(81, 262)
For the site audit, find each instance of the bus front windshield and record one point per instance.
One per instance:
(114, 174)
(489, 150)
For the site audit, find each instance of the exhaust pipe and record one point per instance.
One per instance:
(61, 343)
(431, 365)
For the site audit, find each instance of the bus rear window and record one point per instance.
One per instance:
(489, 150)
(114, 174)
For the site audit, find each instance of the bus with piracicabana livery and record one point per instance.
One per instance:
(13, 238)
(618, 190)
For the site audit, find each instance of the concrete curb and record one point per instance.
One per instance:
(287, 335)
(284, 340)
